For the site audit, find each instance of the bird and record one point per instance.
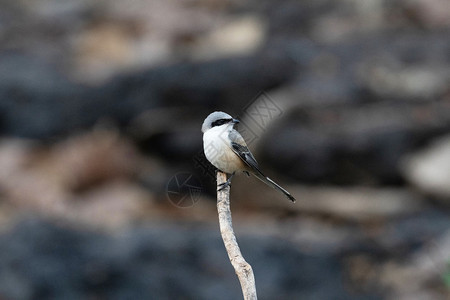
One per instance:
(225, 149)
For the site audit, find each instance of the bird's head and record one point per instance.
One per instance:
(218, 118)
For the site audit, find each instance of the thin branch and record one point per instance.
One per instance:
(243, 269)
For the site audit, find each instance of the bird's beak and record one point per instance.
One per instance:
(235, 121)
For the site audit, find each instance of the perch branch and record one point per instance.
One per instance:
(243, 269)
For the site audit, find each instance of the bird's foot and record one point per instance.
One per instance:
(224, 185)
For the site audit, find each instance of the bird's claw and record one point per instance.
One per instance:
(224, 185)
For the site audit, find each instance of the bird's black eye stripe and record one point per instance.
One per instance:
(220, 122)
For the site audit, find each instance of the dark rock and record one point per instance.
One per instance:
(353, 144)
(39, 260)
(37, 102)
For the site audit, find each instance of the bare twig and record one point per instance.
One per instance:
(243, 269)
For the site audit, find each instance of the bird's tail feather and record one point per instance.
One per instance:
(274, 185)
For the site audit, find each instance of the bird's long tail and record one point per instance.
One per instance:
(273, 184)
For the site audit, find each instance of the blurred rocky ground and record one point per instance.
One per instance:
(346, 103)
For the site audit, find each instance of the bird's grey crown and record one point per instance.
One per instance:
(217, 115)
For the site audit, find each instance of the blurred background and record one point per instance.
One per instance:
(104, 189)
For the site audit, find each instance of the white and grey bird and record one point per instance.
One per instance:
(226, 149)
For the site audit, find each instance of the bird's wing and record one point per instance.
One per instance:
(239, 147)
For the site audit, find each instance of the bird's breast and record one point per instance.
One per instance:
(217, 148)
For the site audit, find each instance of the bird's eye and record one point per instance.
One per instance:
(220, 122)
